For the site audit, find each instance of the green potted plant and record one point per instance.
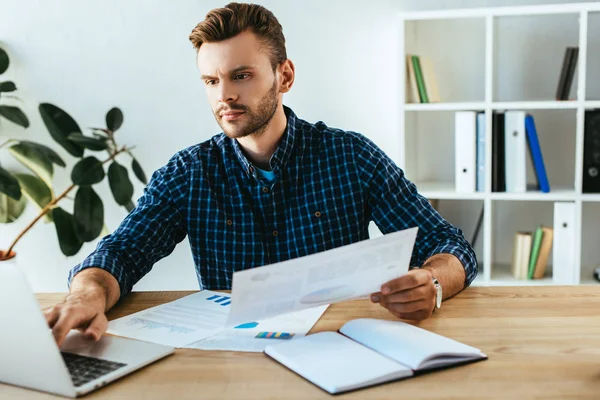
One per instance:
(86, 221)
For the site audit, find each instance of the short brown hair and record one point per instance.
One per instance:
(235, 18)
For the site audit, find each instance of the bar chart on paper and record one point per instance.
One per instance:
(221, 300)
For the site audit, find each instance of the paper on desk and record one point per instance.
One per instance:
(243, 337)
(176, 323)
(344, 273)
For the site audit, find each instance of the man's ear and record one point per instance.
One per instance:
(287, 72)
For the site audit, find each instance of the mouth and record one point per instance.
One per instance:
(231, 115)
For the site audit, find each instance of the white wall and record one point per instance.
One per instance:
(87, 57)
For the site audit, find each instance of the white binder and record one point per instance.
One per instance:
(465, 128)
(515, 151)
(563, 247)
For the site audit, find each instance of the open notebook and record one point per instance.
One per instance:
(368, 352)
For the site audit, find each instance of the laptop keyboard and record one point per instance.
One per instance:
(84, 369)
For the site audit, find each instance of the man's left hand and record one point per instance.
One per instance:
(412, 296)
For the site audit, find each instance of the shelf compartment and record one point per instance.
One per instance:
(522, 44)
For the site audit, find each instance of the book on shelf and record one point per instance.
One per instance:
(421, 85)
(567, 72)
(531, 251)
(366, 352)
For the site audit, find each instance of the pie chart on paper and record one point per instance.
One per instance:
(327, 295)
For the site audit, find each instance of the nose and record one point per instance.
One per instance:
(227, 92)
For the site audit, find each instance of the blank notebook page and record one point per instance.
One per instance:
(336, 363)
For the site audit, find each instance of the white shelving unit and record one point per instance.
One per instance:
(486, 23)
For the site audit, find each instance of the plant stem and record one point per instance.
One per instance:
(7, 142)
(53, 203)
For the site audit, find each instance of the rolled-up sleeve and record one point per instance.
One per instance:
(150, 231)
(396, 204)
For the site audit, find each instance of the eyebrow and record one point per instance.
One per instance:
(232, 72)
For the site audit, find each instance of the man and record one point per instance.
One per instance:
(271, 187)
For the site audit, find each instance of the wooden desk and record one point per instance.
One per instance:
(542, 342)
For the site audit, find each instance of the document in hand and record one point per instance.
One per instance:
(344, 273)
(368, 352)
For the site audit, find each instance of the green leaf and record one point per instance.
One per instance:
(9, 185)
(7, 86)
(114, 119)
(47, 151)
(36, 191)
(138, 171)
(88, 171)
(129, 206)
(88, 142)
(11, 209)
(60, 125)
(88, 213)
(66, 232)
(119, 182)
(14, 114)
(34, 159)
(4, 61)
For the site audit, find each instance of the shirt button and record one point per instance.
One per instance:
(275, 233)
(266, 189)
(318, 214)
(229, 222)
(251, 169)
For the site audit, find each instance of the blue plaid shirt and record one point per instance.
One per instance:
(329, 184)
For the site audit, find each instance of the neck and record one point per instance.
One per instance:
(259, 148)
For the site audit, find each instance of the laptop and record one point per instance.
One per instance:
(31, 358)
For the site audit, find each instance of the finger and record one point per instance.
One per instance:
(411, 280)
(66, 322)
(406, 296)
(376, 297)
(407, 308)
(414, 316)
(97, 327)
(52, 315)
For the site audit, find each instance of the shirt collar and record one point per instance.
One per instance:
(284, 149)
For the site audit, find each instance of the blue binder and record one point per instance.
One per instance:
(536, 154)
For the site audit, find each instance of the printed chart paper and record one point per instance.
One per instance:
(340, 274)
(176, 323)
(255, 336)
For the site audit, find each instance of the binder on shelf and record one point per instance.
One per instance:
(480, 152)
(515, 153)
(498, 154)
(464, 150)
(536, 154)
(591, 152)
(563, 252)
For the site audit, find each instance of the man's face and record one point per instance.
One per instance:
(241, 86)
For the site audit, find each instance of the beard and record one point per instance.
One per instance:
(255, 121)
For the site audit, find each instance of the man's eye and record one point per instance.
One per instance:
(241, 76)
(210, 82)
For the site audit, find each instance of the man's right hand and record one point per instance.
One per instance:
(93, 292)
(80, 310)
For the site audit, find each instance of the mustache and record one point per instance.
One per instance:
(231, 107)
